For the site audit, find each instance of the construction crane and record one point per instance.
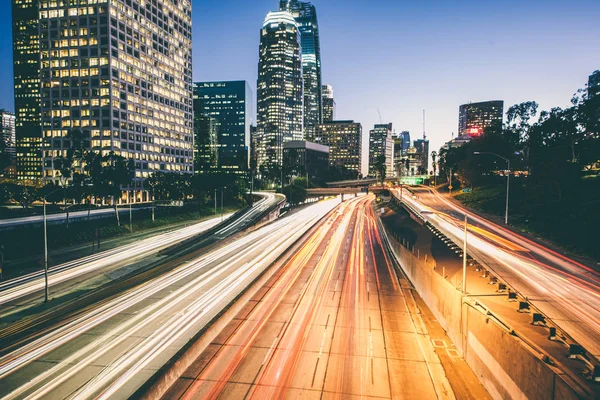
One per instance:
(380, 120)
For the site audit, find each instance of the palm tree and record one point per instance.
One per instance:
(434, 159)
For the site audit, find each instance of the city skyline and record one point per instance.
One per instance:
(428, 47)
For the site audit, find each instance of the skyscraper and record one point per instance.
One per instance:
(121, 72)
(26, 60)
(477, 118)
(7, 132)
(422, 153)
(230, 106)
(405, 137)
(381, 143)
(328, 104)
(280, 88)
(305, 15)
(344, 139)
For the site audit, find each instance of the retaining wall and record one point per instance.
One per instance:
(506, 366)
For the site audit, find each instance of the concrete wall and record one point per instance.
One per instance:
(506, 366)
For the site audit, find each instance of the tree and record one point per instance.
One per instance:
(434, 163)
(109, 174)
(24, 193)
(380, 168)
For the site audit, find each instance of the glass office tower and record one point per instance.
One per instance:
(280, 88)
(229, 104)
(26, 61)
(381, 143)
(305, 15)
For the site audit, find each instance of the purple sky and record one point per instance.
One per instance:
(405, 56)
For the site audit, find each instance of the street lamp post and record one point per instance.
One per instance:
(507, 180)
(46, 248)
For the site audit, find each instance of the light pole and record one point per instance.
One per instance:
(507, 179)
(464, 282)
(46, 248)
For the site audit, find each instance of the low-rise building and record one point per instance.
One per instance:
(301, 158)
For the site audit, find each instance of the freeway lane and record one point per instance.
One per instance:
(566, 291)
(112, 348)
(333, 323)
(21, 290)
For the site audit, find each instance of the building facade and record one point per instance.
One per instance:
(225, 139)
(328, 104)
(302, 158)
(381, 143)
(121, 73)
(344, 139)
(206, 154)
(280, 100)
(405, 137)
(422, 154)
(7, 133)
(475, 119)
(26, 67)
(305, 15)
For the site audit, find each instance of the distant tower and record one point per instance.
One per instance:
(305, 15)
(328, 104)
(280, 102)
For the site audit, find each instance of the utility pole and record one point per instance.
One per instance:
(464, 282)
(507, 192)
(130, 218)
(222, 190)
(45, 255)
(215, 202)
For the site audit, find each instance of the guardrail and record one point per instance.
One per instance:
(539, 318)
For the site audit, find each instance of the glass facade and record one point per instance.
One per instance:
(344, 139)
(381, 143)
(226, 140)
(422, 154)
(121, 72)
(328, 104)
(305, 15)
(301, 158)
(280, 88)
(26, 66)
(476, 118)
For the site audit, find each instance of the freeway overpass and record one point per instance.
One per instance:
(406, 180)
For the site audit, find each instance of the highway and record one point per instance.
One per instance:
(74, 272)
(334, 322)
(110, 349)
(566, 291)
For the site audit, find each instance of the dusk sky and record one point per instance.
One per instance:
(405, 56)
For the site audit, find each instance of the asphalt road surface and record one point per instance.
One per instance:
(110, 349)
(332, 323)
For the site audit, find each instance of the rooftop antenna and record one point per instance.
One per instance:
(424, 135)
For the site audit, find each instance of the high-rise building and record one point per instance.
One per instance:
(381, 143)
(305, 15)
(7, 133)
(26, 67)
(301, 158)
(475, 119)
(344, 139)
(121, 72)
(206, 154)
(422, 153)
(328, 104)
(405, 137)
(226, 140)
(280, 90)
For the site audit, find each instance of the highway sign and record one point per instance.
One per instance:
(466, 190)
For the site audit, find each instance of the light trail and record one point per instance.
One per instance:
(34, 282)
(136, 330)
(306, 322)
(566, 291)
